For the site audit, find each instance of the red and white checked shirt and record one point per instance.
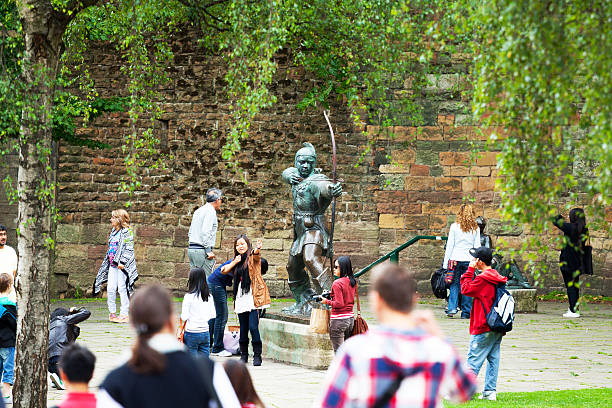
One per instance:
(367, 364)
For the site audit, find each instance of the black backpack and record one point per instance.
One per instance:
(501, 314)
(438, 284)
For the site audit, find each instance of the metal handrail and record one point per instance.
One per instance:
(393, 256)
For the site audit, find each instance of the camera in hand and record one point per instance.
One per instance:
(318, 298)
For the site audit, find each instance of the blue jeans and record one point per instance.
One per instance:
(249, 322)
(197, 343)
(455, 295)
(217, 325)
(485, 346)
(7, 361)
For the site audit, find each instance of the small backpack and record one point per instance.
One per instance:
(438, 284)
(501, 315)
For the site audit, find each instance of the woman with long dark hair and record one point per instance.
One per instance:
(239, 375)
(342, 300)
(160, 373)
(198, 308)
(576, 234)
(251, 294)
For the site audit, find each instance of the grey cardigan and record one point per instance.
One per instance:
(124, 256)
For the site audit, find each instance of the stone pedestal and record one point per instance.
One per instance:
(295, 343)
(525, 300)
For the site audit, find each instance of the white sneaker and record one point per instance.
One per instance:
(224, 353)
(569, 313)
(57, 381)
(492, 396)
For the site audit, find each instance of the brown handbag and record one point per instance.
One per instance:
(359, 326)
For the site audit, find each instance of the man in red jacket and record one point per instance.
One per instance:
(484, 343)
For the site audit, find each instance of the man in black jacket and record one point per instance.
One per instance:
(63, 330)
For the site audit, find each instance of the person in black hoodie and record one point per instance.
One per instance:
(63, 330)
(570, 260)
(8, 332)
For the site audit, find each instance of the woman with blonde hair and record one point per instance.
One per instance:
(118, 267)
(463, 235)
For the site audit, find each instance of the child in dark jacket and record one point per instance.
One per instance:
(8, 332)
(63, 330)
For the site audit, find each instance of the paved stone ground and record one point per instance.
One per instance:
(543, 352)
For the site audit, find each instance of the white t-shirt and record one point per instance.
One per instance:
(8, 260)
(245, 302)
(459, 244)
(197, 313)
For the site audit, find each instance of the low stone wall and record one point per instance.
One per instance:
(295, 343)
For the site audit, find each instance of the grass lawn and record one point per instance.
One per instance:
(599, 397)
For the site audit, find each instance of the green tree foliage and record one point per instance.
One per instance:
(542, 76)
(356, 50)
(539, 75)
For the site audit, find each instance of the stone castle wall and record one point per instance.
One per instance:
(8, 210)
(410, 184)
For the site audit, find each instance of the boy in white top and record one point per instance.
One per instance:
(8, 256)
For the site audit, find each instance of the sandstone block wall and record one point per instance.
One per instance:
(412, 183)
(8, 211)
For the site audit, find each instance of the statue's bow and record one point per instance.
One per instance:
(335, 180)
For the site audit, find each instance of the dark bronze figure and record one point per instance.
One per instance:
(510, 270)
(312, 194)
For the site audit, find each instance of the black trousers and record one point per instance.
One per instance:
(52, 368)
(249, 322)
(571, 280)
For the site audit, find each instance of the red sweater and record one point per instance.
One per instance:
(79, 400)
(342, 297)
(481, 288)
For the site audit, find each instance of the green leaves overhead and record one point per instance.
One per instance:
(542, 76)
(540, 73)
(543, 72)
(353, 50)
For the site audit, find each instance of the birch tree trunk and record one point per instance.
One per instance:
(43, 29)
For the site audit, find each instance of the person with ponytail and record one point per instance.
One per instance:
(160, 373)
(342, 300)
(575, 234)
(251, 294)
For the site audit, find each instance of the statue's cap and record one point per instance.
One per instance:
(307, 150)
